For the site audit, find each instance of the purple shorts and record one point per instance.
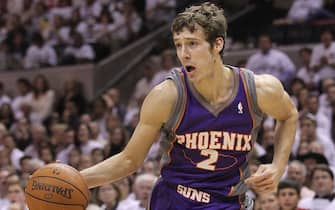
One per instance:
(167, 196)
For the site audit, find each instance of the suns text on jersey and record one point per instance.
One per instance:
(216, 140)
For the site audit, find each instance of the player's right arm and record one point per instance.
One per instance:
(155, 111)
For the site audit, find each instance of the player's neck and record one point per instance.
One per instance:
(217, 86)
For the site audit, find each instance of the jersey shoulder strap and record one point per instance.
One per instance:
(177, 76)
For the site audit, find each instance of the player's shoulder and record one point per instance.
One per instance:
(159, 103)
(267, 85)
(265, 80)
(165, 93)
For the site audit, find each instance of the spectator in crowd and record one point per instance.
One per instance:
(311, 160)
(73, 91)
(7, 60)
(113, 100)
(108, 196)
(4, 98)
(323, 185)
(143, 186)
(323, 56)
(62, 8)
(269, 201)
(302, 100)
(24, 88)
(14, 153)
(297, 171)
(322, 121)
(96, 134)
(127, 23)
(271, 61)
(4, 157)
(143, 85)
(307, 132)
(78, 53)
(124, 186)
(118, 139)
(39, 54)
(16, 197)
(98, 155)
(100, 115)
(39, 138)
(103, 29)
(158, 12)
(83, 140)
(74, 157)
(57, 34)
(25, 164)
(301, 11)
(42, 99)
(66, 145)
(296, 85)
(39, 17)
(7, 115)
(91, 9)
(3, 176)
(306, 73)
(16, 36)
(85, 161)
(168, 61)
(288, 194)
(47, 154)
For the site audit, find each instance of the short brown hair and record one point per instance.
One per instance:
(208, 16)
(324, 168)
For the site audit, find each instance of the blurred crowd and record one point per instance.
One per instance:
(40, 125)
(45, 33)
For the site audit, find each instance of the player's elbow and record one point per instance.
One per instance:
(294, 115)
(132, 162)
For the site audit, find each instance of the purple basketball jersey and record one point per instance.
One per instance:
(206, 156)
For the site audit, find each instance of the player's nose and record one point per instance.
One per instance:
(185, 53)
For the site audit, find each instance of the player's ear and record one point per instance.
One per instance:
(219, 43)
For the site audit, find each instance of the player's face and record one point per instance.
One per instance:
(195, 53)
(288, 199)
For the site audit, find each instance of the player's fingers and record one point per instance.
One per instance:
(258, 178)
(58, 161)
(262, 183)
(265, 190)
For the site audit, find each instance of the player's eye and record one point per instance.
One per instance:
(193, 44)
(178, 46)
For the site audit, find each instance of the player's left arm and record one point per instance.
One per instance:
(274, 101)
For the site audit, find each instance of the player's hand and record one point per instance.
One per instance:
(265, 179)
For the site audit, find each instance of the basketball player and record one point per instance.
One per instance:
(210, 114)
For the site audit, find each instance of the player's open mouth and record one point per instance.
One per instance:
(189, 68)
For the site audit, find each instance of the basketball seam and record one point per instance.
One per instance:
(66, 204)
(65, 182)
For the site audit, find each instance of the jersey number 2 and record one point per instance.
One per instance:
(209, 164)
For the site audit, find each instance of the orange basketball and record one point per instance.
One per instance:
(57, 187)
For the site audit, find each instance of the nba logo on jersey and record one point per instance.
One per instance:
(240, 108)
